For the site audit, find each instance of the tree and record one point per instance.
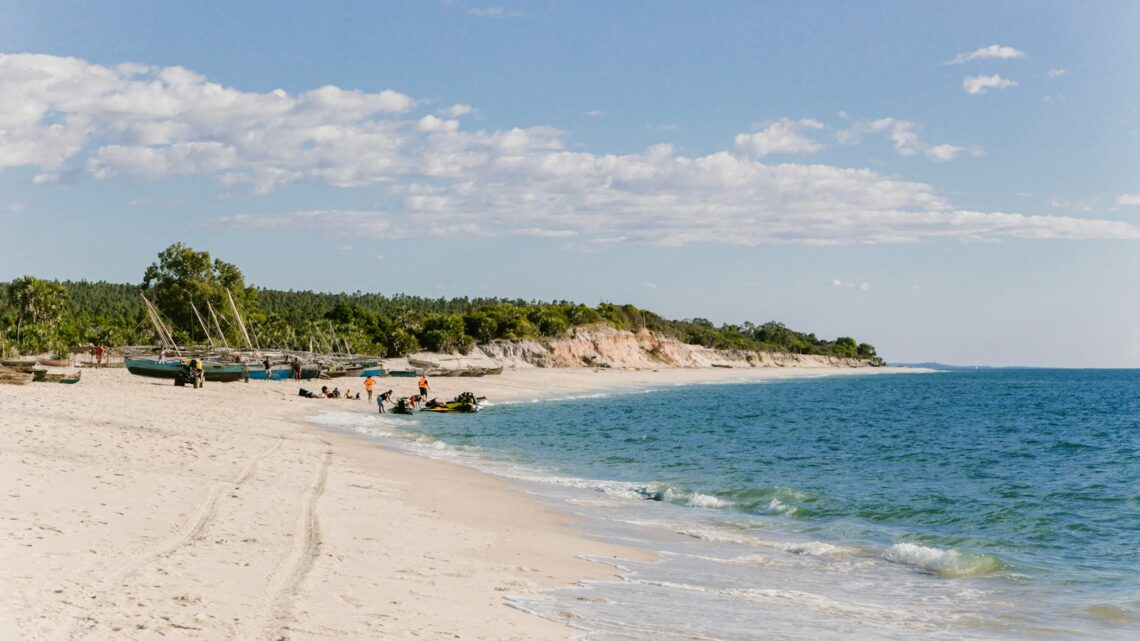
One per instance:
(479, 325)
(845, 346)
(39, 307)
(183, 277)
(444, 333)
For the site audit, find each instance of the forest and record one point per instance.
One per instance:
(201, 299)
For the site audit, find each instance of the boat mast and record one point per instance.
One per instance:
(241, 325)
(163, 331)
(217, 324)
(202, 323)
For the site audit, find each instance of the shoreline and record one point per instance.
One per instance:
(136, 509)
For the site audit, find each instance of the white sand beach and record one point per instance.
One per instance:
(134, 509)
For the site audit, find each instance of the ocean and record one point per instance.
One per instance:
(982, 504)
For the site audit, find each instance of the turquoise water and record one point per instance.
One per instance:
(980, 504)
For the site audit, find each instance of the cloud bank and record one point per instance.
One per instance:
(73, 120)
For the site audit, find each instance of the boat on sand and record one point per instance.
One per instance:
(213, 371)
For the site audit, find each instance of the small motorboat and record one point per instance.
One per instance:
(465, 403)
(403, 406)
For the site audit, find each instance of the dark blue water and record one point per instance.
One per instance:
(1020, 485)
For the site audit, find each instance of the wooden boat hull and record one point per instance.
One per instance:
(19, 365)
(213, 371)
(279, 374)
(373, 371)
(66, 379)
(51, 362)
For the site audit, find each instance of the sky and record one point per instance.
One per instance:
(954, 182)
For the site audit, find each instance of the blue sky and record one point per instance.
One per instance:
(955, 182)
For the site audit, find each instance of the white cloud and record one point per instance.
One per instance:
(992, 51)
(944, 152)
(67, 118)
(1128, 199)
(15, 208)
(780, 137)
(976, 85)
(906, 139)
(1056, 73)
(456, 110)
(594, 113)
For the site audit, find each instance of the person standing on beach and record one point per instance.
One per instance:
(423, 386)
(368, 385)
(266, 364)
(386, 396)
(99, 352)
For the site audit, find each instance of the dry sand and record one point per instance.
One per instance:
(134, 509)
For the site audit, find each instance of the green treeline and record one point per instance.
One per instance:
(193, 294)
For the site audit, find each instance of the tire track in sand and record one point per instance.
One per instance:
(283, 583)
(193, 529)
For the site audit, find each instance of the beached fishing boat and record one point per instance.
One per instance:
(336, 371)
(282, 373)
(54, 362)
(373, 371)
(422, 364)
(404, 373)
(9, 376)
(215, 372)
(66, 379)
(19, 364)
(464, 371)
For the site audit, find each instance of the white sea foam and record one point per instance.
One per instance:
(777, 506)
(554, 399)
(948, 563)
(694, 499)
(817, 548)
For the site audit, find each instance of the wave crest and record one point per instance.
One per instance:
(948, 563)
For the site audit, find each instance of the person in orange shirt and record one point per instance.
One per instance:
(368, 385)
(423, 387)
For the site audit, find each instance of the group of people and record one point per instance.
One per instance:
(402, 404)
(335, 393)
